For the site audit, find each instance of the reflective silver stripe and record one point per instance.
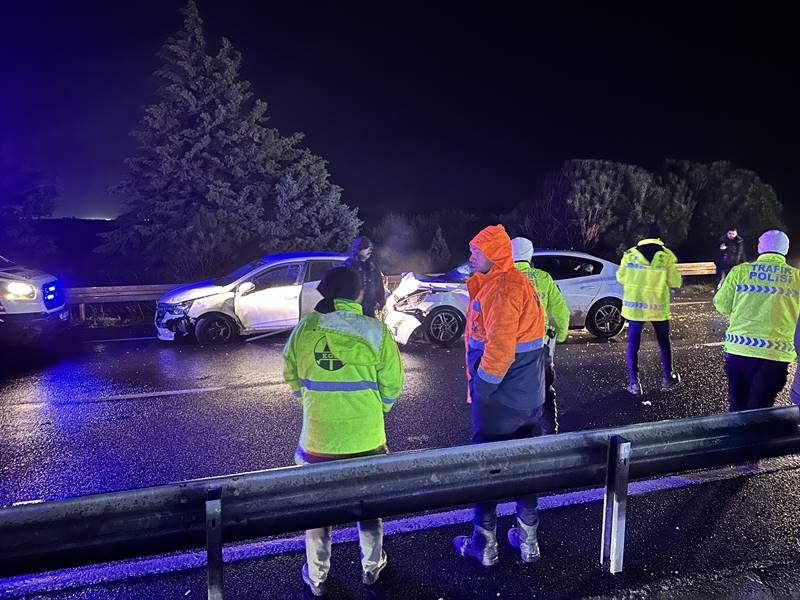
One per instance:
(338, 386)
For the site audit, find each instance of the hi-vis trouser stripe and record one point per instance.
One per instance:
(767, 289)
(643, 305)
(744, 340)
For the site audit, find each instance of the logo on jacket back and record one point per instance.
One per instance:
(325, 358)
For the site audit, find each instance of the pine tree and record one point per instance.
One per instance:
(309, 212)
(203, 192)
(439, 252)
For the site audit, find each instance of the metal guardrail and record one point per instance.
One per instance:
(118, 293)
(144, 293)
(233, 508)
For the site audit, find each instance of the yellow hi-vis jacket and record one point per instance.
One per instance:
(346, 370)
(555, 307)
(762, 300)
(646, 284)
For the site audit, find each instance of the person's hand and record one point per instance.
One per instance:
(723, 247)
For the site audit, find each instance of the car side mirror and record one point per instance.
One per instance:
(245, 288)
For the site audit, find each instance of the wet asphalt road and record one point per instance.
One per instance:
(116, 415)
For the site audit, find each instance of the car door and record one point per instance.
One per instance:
(577, 277)
(315, 271)
(274, 303)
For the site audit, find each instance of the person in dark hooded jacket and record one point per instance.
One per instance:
(361, 262)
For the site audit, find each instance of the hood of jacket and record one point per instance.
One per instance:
(353, 338)
(653, 252)
(494, 242)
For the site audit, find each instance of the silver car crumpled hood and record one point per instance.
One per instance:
(193, 291)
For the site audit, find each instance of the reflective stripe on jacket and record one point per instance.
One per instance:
(646, 283)
(762, 300)
(347, 371)
(555, 307)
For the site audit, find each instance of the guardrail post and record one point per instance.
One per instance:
(214, 543)
(612, 547)
(82, 311)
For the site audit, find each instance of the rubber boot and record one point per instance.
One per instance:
(667, 383)
(482, 546)
(523, 538)
(635, 388)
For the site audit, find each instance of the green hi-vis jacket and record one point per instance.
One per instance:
(555, 307)
(762, 300)
(646, 284)
(346, 369)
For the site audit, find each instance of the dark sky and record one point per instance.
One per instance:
(416, 106)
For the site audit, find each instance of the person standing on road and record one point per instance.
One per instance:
(762, 301)
(345, 369)
(556, 323)
(731, 253)
(505, 375)
(361, 262)
(647, 272)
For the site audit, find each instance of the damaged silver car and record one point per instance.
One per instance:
(269, 294)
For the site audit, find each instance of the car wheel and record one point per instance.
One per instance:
(214, 330)
(605, 318)
(444, 326)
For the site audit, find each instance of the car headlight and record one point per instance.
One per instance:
(411, 301)
(179, 308)
(18, 290)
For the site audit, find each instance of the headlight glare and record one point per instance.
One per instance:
(18, 290)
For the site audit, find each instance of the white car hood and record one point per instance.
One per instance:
(411, 282)
(193, 291)
(12, 272)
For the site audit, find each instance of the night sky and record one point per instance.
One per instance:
(416, 107)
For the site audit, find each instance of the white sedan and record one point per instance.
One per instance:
(436, 306)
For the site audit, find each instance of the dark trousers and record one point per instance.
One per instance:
(753, 382)
(550, 413)
(519, 425)
(635, 340)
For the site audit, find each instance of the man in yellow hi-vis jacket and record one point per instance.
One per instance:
(345, 369)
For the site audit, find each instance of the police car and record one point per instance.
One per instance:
(436, 307)
(32, 304)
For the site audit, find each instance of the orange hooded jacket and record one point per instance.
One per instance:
(505, 315)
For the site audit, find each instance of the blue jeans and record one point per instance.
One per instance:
(512, 424)
(635, 339)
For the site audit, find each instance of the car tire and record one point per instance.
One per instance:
(444, 326)
(214, 330)
(605, 319)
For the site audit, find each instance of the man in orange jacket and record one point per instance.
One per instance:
(505, 376)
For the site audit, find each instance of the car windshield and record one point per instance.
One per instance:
(459, 274)
(240, 272)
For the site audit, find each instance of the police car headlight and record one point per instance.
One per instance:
(17, 290)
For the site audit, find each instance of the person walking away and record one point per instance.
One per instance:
(556, 323)
(647, 272)
(731, 253)
(505, 374)
(762, 301)
(361, 262)
(346, 371)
